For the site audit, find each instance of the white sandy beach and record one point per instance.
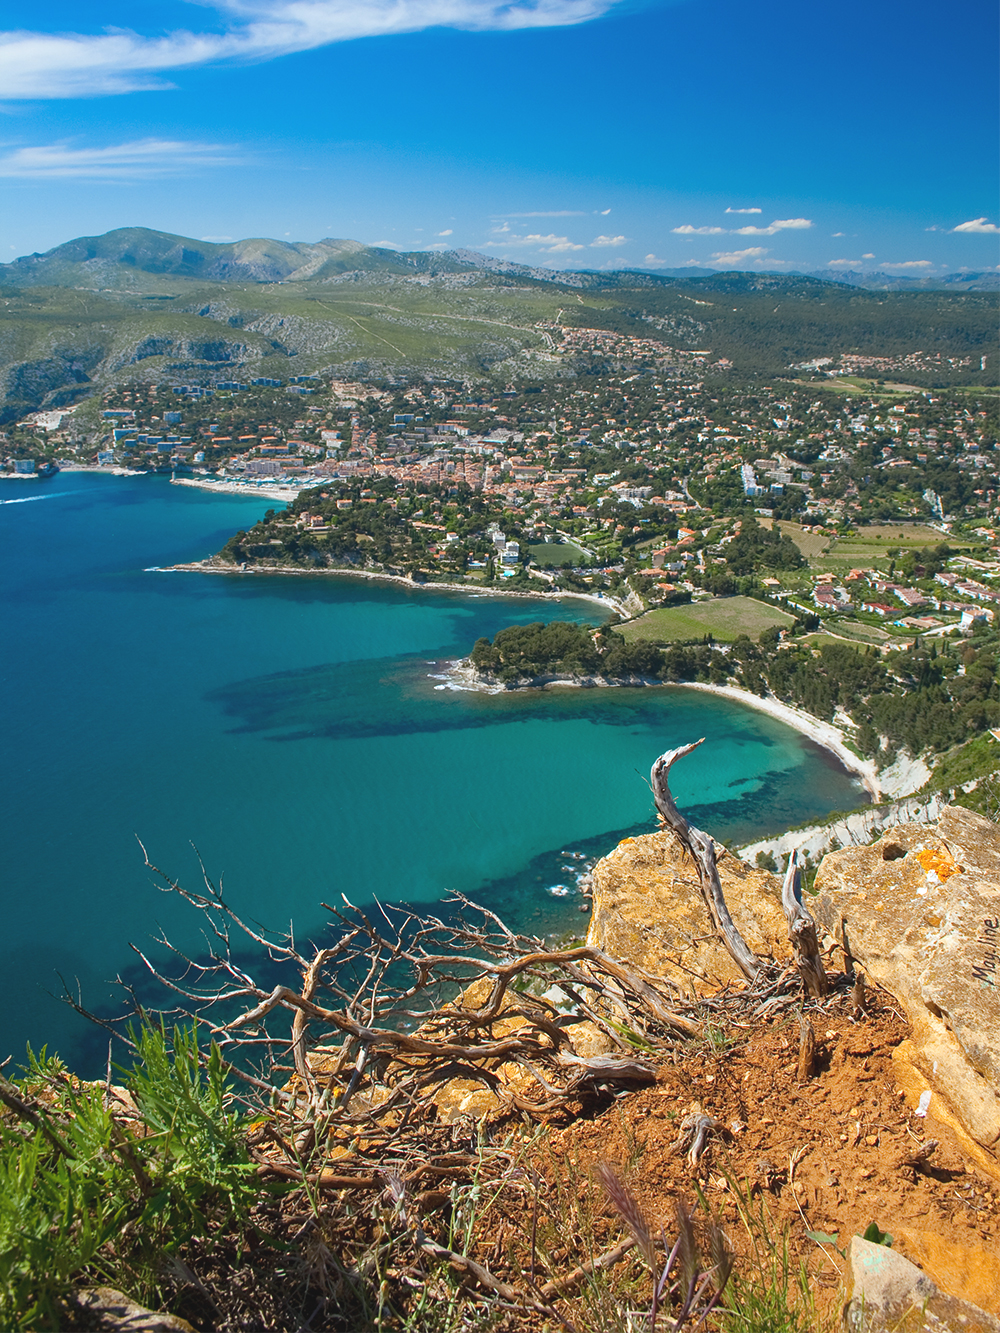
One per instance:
(823, 733)
(233, 487)
(911, 774)
(113, 471)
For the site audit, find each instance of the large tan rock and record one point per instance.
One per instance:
(648, 910)
(888, 1294)
(920, 911)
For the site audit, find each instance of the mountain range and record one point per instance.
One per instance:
(138, 303)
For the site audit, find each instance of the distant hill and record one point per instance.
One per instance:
(142, 304)
(890, 282)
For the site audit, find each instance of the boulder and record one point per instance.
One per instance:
(919, 910)
(648, 909)
(888, 1294)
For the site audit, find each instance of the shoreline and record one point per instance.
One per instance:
(233, 487)
(827, 735)
(102, 469)
(475, 589)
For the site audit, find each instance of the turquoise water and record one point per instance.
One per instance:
(292, 729)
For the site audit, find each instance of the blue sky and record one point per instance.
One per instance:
(567, 133)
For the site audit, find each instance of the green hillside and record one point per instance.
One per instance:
(136, 303)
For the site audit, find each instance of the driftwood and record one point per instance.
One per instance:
(702, 851)
(802, 933)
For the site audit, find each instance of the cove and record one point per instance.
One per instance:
(294, 731)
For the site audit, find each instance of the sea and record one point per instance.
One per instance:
(297, 739)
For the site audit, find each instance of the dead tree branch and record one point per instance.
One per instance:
(802, 933)
(702, 851)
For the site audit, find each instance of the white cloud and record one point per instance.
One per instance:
(782, 224)
(446, 232)
(911, 263)
(736, 258)
(843, 263)
(217, 238)
(608, 240)
(58, 65)
(551, 244)
(867, 256)
(124, 161)
(835, 234)
(743, 210)
(979, 225)
(604, 212)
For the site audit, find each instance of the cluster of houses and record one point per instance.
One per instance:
(871, 592)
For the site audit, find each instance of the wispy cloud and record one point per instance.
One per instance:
(979, 225)
(755, 256)
(447, 232)
(139, 159)
(608, 240)
(688, 230)
(743, 210)
(911, 263)
(60, 65)
(782, 224)
(736, 258)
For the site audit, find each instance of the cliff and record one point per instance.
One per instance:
(918, 911)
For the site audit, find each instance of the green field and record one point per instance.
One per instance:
(725, 618)
(864, 550)
(854, 384)
(558, 553)
(893, 533)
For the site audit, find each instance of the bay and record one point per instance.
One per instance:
(296, 732)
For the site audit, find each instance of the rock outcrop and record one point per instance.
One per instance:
(888, 1294)
(648, 908)
(920, 912)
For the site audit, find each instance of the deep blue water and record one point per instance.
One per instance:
(292, 730)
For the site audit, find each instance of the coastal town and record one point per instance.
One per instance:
(636, 472)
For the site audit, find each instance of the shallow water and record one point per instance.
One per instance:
(292, 730)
